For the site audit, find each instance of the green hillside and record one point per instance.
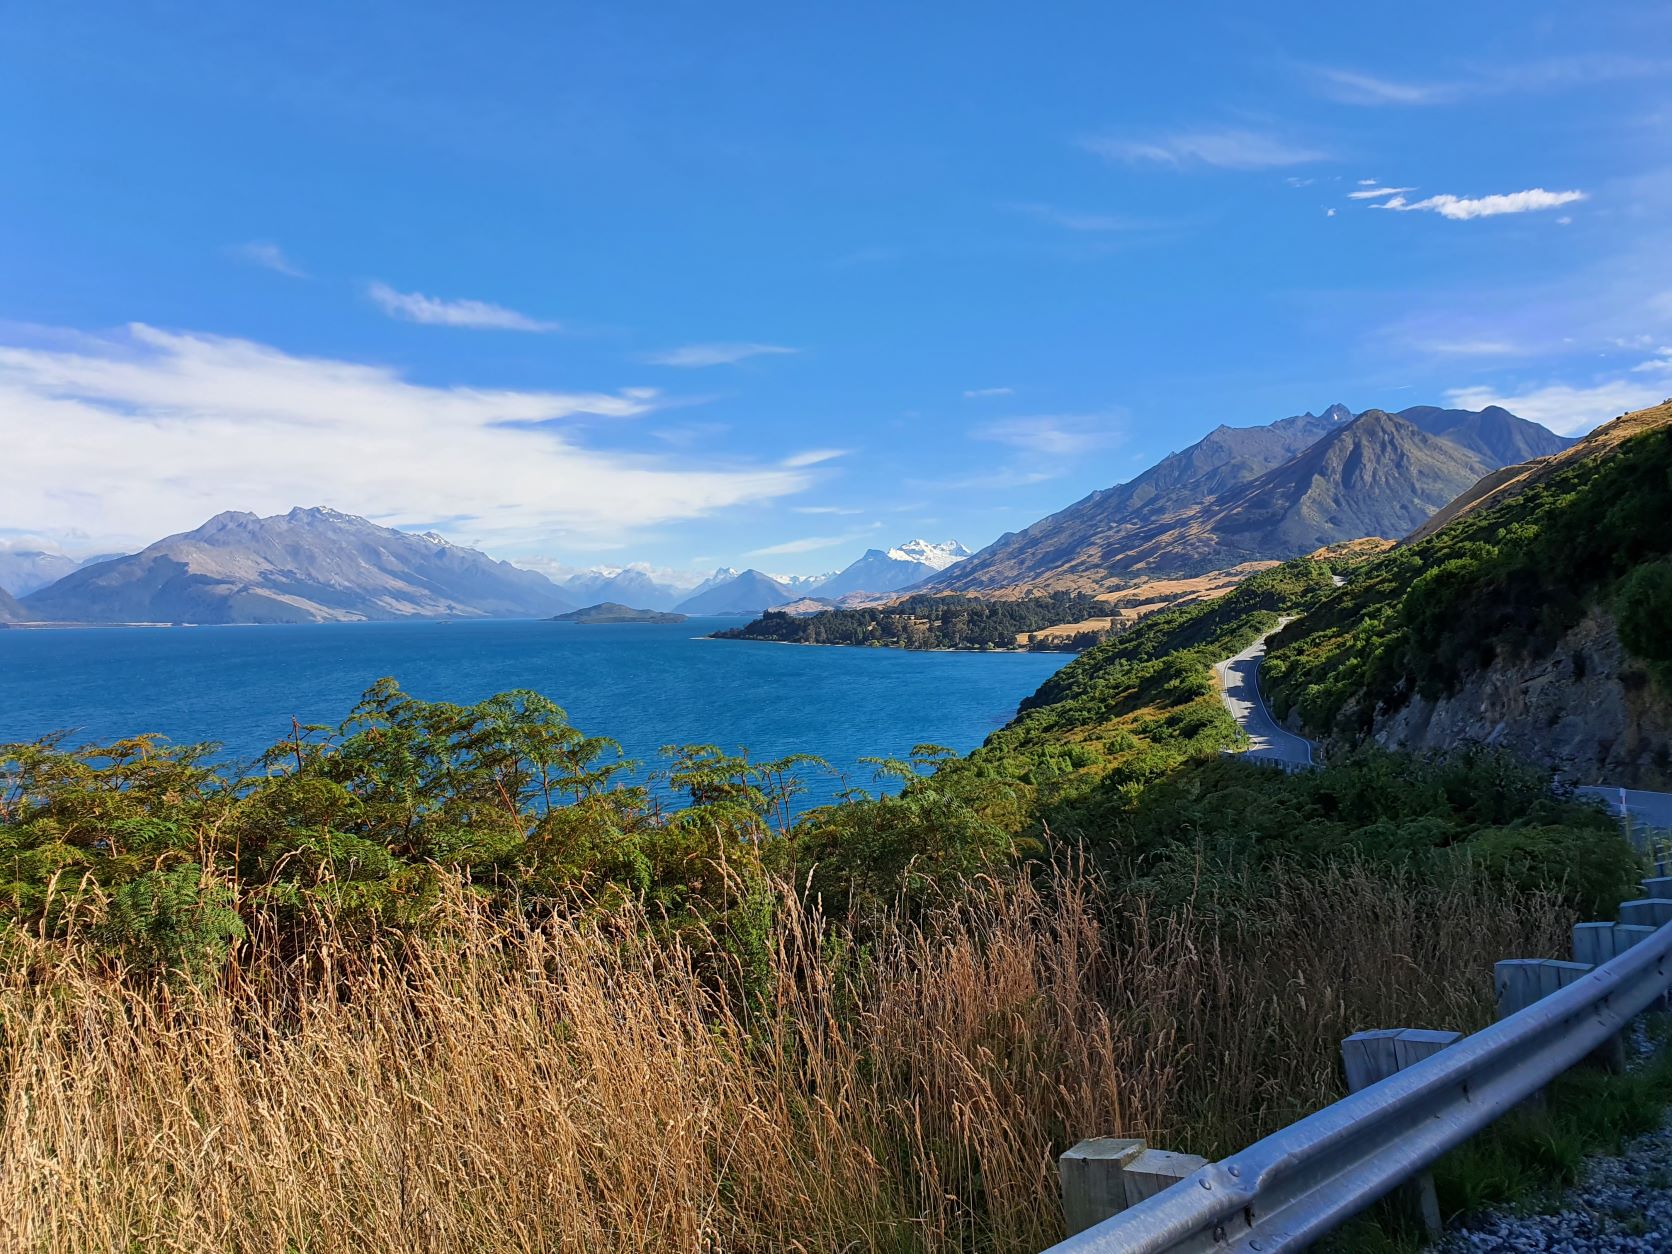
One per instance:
(1503, 583)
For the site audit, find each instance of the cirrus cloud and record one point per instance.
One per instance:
(433, 311)
(1574, 409)
(269, 256)
(186, 425)
(1463, 208)
(698, 356)
(1229, 148)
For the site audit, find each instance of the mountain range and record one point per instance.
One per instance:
(23, 571)
(310, 565)
(889, 570)
(734, 592)
(1239, 495)
(1258, 493)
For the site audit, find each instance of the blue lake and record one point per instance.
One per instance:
(645, 685)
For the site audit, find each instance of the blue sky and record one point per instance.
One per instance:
(769, 284)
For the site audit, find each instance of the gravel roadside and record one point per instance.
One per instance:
(1621, 1203)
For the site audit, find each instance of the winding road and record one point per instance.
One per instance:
(1239, 689)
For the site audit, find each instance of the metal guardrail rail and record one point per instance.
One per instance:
(1285, 1192)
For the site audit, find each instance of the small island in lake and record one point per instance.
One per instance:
(614, 612)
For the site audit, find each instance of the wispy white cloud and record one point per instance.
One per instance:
(433, 311)
(988, 480)
(1229, 148)
(1659, 364)
(839, 510)
(1351, 87)
(1573, 409)
(813, 457)
(269, 256)
(191, 424)
(1471, 347)
(975, 394)
(812, 544)
(1463, 208)
(1075, 220)
(1373, 192)
(697, 356)
(1052, 435)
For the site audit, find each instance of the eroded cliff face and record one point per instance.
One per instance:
(1587, 709)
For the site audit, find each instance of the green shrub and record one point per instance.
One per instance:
(175, 922)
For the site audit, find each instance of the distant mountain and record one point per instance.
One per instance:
(310, 565)
(628, 586)
(611, 612)
(1377, 476)
(23, 571)
(1493, 434)
(747, 593)
(10, 610)
(1223, 459)
(804, 583)
(887, 570)
(1254, 493)
(722, 575)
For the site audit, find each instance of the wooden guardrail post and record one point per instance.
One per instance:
(1369, 1057)
(1155, 1170)
(1092, 1183)
(1104, 1175)
(1647, 911)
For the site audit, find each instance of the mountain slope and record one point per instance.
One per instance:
(887, 570)
(747, 593)
(1223, 459)
(310, 565)
(1163, 523)
(23, 571)
(1534, 621)
(1493, 434)
(10, 610)
(1377, 476)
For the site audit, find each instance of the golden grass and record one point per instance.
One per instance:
(495, 1086)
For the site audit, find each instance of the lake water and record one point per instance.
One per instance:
(646, 685)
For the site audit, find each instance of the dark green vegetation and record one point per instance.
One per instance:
(1119, 751)
(1505, 582)
(927, 621)
(614, 612)
(1095, 919)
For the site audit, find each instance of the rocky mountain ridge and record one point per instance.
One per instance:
(1257, 493)
(309, 565)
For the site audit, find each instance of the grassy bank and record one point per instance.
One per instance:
(488, 1084)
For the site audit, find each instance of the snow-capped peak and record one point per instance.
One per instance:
(927, 553)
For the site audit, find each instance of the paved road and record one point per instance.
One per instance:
(1651, 809)
(1239, 689)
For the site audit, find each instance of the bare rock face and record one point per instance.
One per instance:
(1587, 710)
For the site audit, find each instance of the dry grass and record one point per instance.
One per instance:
(495, 1087)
